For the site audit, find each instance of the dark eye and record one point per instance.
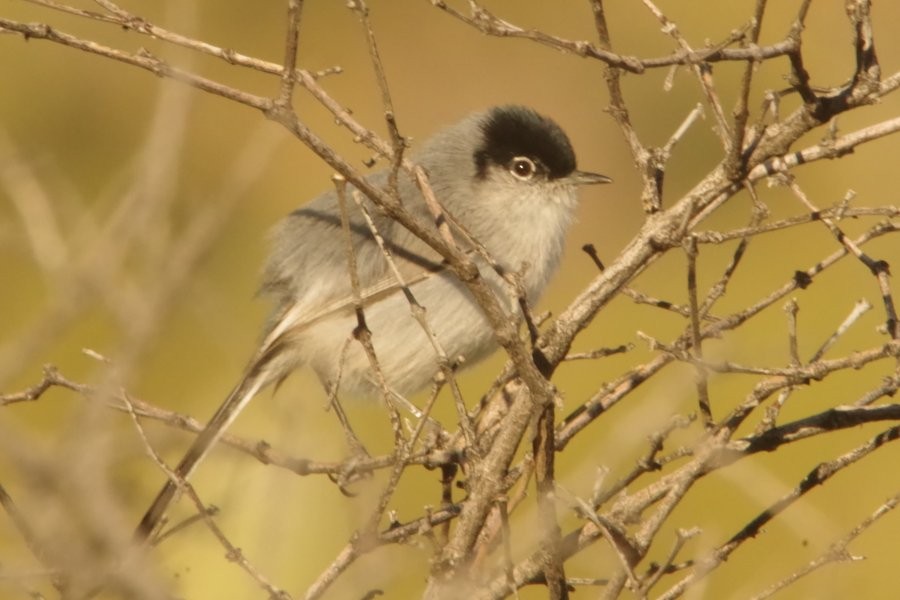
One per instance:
(523, 167)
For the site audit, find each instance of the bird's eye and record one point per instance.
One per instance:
(523, 167)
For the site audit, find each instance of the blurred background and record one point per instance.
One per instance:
(133, 221)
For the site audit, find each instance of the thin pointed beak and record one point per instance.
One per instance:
(588, 178)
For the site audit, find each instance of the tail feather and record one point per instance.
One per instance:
(254, 379)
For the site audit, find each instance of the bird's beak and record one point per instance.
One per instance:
(588, 178)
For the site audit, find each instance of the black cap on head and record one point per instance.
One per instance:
(511, 131)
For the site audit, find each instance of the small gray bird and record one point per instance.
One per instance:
(507, 176)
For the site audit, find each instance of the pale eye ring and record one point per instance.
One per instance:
(522, 167)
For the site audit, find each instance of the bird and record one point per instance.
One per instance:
(506, 177)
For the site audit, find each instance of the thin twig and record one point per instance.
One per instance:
(837, 552)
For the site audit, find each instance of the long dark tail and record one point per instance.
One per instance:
(253, 380)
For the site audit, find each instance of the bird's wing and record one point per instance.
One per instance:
(412, 271)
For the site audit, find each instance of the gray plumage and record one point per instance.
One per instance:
(507, 175)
